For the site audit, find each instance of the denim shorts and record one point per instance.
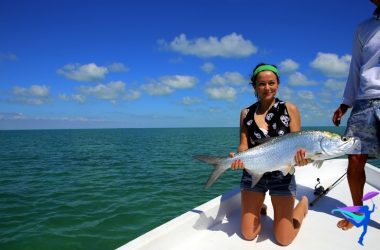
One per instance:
(364, 124)
(275, 182)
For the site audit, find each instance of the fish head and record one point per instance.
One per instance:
(334, 145)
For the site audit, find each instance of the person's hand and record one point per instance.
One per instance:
(237, 164)
(339, 113)
(300, 159)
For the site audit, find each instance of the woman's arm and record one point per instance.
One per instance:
(295, 117)
(243, 132)
(243, 141)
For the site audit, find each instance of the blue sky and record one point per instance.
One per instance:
(152, 63)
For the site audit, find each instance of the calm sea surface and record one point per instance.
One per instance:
(98, 189)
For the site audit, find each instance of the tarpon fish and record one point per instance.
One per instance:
(278, 154)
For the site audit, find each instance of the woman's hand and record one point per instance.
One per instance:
(237, 164)
(300, 159)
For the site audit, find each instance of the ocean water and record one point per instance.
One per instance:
(99, 189)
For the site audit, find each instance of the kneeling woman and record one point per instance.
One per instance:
(269, 117)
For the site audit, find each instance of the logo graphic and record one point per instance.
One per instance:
(359, 215)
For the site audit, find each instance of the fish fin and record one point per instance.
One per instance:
(289, 169)
(317, 164)
(255, 179)
(292, 170)
(219, 168)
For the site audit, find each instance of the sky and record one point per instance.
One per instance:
(168, 63)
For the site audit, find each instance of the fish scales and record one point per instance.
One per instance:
(278, 153)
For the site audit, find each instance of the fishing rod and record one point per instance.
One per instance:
(320, 191)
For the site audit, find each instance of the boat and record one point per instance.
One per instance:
(216, 223)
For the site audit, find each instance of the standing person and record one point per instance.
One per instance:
(362, 93)
(269, 117)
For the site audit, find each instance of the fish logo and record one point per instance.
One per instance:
(359, 216)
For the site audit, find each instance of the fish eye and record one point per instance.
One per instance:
(344, 138)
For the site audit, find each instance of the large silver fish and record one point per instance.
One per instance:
(278, 154)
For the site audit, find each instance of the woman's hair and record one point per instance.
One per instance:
(261, 67)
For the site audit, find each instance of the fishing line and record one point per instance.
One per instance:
(322, 192)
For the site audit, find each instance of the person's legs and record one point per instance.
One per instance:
(251, 205)
(287, 219)
(356, 180)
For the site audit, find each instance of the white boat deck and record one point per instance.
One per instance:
(216, 224)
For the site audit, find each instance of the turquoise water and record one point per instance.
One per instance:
(98, 189)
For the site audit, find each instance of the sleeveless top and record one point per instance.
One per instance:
(277, 118)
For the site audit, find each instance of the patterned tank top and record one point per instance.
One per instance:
(277, 118)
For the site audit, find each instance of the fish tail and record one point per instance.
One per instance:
(219, 168)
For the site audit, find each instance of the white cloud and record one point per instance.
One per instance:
(32, 119)
(157, 89)
(76, 97)
(35, 95)
(131, 95)
(168, 84)
(288, 66)
(117, 67)
(312, 113)
(111, 91)
(232, 78)
(188, 100)
(34, 90)
(305, 95)
(299, 79)
(326, 96)
(286, 93)
(208, 67)
(229, 46)
(223, 93)
(179, 81)
(83, 73)
(12, 116)
(215, 110)
(333, 91)
(332, 65)
(64, 97)
(335, 85)
(79, 98)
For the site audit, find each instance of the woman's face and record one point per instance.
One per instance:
(266, 85)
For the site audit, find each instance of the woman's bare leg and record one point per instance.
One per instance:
(251, 205)
(287, 219)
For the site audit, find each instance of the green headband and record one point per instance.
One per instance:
(266, 67)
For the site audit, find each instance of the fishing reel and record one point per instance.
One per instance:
(318, 190)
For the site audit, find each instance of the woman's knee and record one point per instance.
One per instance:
(249, 234)
(283, 240)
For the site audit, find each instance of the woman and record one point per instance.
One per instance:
(269, 117)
